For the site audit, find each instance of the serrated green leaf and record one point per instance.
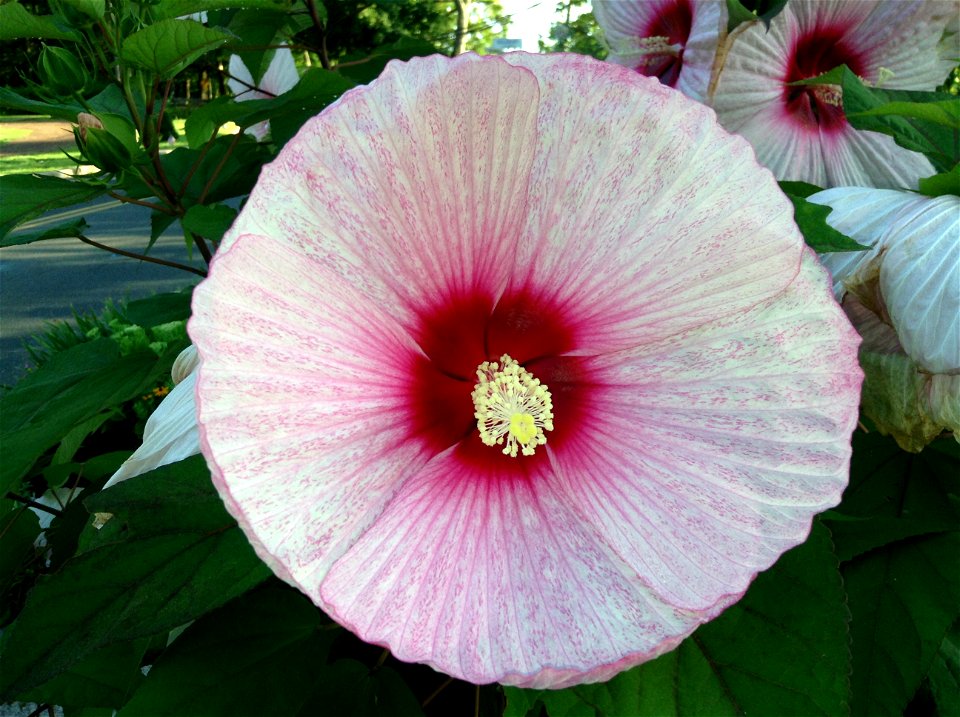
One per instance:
(263, 653)
(159, 309)
(26, 196)
(17, 22)
(180, 8)
(168, 46)
(351, 689)
(811, 219)
(66, 230)
(171, 554)
(945, 112)
(210, 221)
(105, 678)
(68, 390)
(916, 131)
(944, 675)
(18, 529)
(941, 184)
(902, 599)
(91, 8)
(782, 650)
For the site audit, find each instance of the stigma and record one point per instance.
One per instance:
(512, 408)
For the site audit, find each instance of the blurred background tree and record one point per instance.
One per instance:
(578, 32)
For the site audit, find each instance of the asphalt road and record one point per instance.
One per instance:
(46, 281)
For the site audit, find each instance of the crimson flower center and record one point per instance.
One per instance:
(664, 41)
(495, 373)
(818, 107)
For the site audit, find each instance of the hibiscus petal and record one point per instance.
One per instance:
(920, 282)
(737, 437)
(415, 188)
(864, 214)
(494, 578)
(170, 434)
(689, 259)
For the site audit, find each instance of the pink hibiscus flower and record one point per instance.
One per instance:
(555, 249)
(673, 40)
(800, 132)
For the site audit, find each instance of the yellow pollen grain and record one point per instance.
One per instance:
(512, 408)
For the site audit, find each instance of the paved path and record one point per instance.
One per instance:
(37, 136)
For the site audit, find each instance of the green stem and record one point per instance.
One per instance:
(142, 257)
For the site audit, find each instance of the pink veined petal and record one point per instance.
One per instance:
(415, 186)
(170, 434)
(489, 578)
(650, 154)
(893, 44)
(864, 214)
(736, 439)
(301, 417)
(920, 282)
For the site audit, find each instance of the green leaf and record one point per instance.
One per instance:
(263, 653)
(811, 218)
(17, 22)
(179, 8)
(316, 89)
(66, 230)
(91, 8)
(348, 688)
(229, 168)
(68, 390)
(168, 46)
(944, 675)
(902, 599)
(159, 309)
(105, 678)
(26, 196)
(893, 495)
(18, 529)
(782, 650)
(764, 10)
(209, 221)
(945, 112)
(943, 183)
(170, 554)
(362, 70)
(899, 113)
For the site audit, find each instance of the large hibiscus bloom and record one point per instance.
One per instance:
(556, 249)
(672, 40)
(800, 132)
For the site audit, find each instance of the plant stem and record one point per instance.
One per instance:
(142, 257)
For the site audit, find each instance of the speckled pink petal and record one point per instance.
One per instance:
(708, 453)
(688, 260)
(490, 578)
(301, 403)
(413, 187)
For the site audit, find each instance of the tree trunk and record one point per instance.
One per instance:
(463, 16)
